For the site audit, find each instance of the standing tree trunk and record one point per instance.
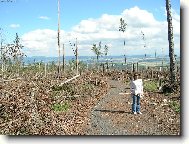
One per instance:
(97, 59)
(171, 42)
(125, 59)
(77, 61)
(63, 58)
(58, 38)
(45, 69)
(137, 67)
(2, 61)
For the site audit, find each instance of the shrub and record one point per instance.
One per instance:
(171, 87)
(68, 88)
(150, 86)
(61, 107)
(175, 106)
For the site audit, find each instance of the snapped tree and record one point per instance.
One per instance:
(75, 51)
(106, 53)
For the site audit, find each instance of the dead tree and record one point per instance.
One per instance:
(122, 28)
(2, 57)
(75, 51)
(63, 58)
(77, 60)
(58, 38)
(2, 60)
(106, 53)
(171, 42)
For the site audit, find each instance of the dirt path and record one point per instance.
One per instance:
(112, 115)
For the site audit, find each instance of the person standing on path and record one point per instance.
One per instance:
(136, 87)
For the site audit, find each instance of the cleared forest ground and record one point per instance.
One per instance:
(92, 104)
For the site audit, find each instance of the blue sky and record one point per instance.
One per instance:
(27, 16)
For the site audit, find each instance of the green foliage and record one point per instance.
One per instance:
(144, 39)
(96, 50)
(68, 88)
(82, 66)
(72, 64)
(12, 55)
(150, 86)
(123, 25)
(87, 88)
(57, 88)
(61, 107)
(105, 50)
(175, 106)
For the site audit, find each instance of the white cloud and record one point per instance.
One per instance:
(105, 29)
(44, 17)
(40, 42)
(136, 17)
(14, 25)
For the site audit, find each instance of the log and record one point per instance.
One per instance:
(3, 80)
(73, 96)
(124, 93)
(70, 79)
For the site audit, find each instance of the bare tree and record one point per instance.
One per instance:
(74, 47)
(171, 42)
(144, 40)
(122, 28)
(106, 53)
(76, 54)
(58, 38)
(63, 58)
(105, 50)
(2, 62)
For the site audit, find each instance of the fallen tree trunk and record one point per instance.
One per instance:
(70, 79)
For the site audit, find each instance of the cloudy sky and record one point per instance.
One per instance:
(90, 21)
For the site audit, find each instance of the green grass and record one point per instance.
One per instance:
(61, 107)
(150, 86)
(68, 88)
(175, 106)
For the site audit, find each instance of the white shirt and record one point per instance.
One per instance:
(136, 87)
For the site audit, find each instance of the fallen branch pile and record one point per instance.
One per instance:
(26, 106)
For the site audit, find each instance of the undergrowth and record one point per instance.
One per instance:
(61, 107)
(150, 86)
(175, 106)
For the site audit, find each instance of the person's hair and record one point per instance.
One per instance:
(135, 77)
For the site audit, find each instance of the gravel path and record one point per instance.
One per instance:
(100, 125)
